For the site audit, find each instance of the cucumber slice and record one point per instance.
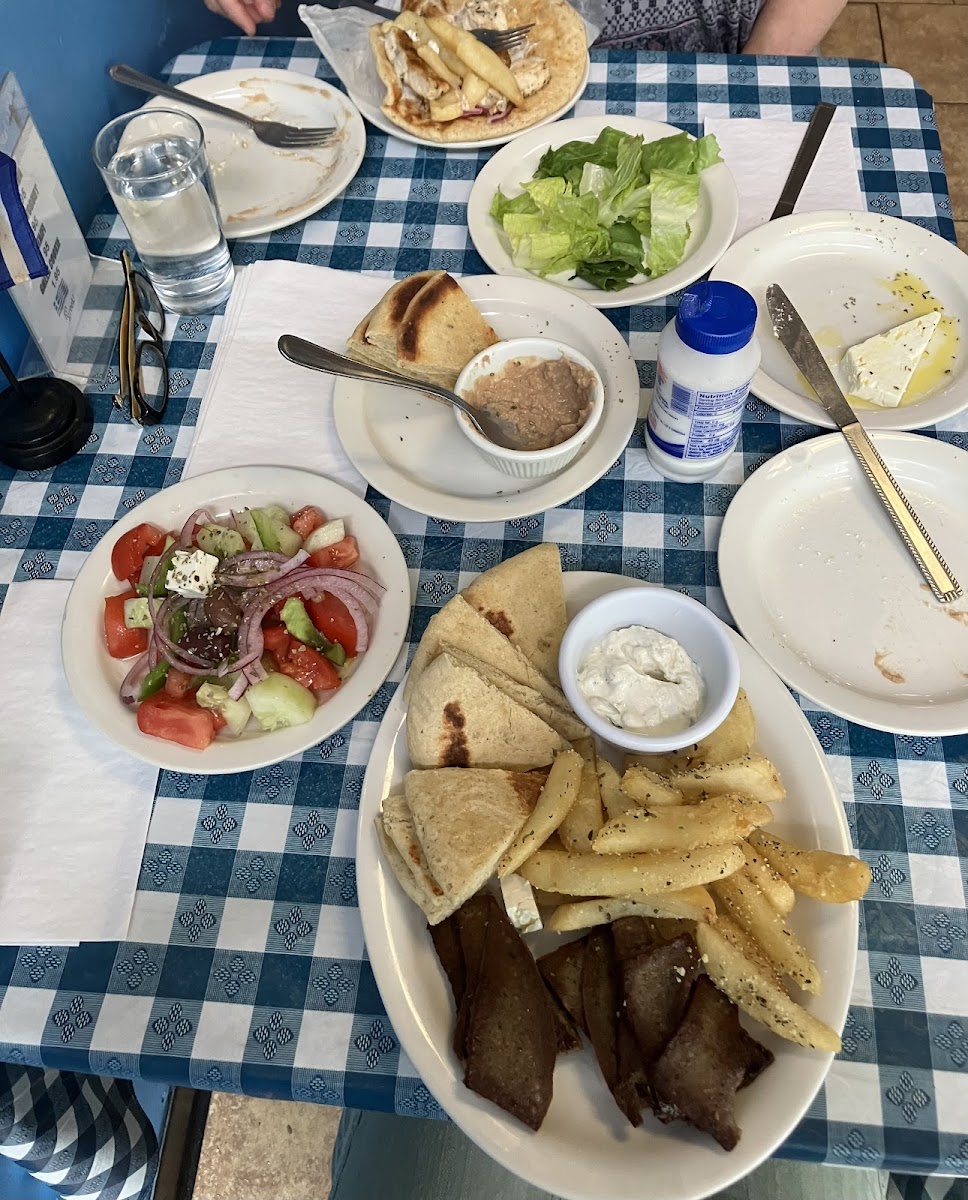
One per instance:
(289, 541)
(220, 541)
(275, 512)
(326, 535)
(279, 702)
(246, 526)
(266, 529)
(235, 712)
(136, 615)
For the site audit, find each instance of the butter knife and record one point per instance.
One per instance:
(799, 344)
(807, 151)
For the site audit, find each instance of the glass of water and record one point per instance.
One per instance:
(154, 164)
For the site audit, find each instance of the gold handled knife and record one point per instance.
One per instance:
(799, 344)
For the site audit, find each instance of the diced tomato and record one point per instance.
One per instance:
(220, 721)
(332, 618)
(177, 720)
(306, 520)
(180, 683)
(310, 668)
(341, 554)
(131, 549)
(122, 641)
(277, 640)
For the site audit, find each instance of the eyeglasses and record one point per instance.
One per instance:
(142, 367)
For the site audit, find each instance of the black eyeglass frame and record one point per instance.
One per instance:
(140, 302)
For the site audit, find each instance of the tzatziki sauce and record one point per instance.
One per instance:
(642, 681)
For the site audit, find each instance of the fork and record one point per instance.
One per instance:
(273, 133)
(495, 39)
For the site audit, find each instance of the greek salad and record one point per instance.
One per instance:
(248, 621)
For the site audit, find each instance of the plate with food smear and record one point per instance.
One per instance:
(424, 77)
(235, 619)
(619, 210)
(887, 302)
(412, 448)
(819, 582)
(481, 769)
(261, 188)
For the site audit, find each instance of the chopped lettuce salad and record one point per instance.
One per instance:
(609, 210)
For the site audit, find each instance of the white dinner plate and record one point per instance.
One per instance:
(820, 583)
(260, 188)
(585, 1150)
(711, 228)
(95, 677)
(345, 44)
(839, 269)
(409, 447)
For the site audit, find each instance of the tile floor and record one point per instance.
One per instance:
(257, 1148)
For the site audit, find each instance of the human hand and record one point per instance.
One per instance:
(247, 14)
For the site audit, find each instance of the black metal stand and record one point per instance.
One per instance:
(43, 421)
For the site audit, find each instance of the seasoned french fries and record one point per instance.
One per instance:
(754, 776)
(733, 739)
(614, 800)
(756, 992)
(555, 802)
(478, 57)
(773, 886)
(632, 875)
(714, 821)
(648, 789)
(474, 89)
(439, 67)
(447, 107)
(584, 819)
(751, 910)
(833, 878)
(691, 904)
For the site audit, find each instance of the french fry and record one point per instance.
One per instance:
(747, 946)
(631, 875)
(751, 910)
(584, 818)
(773, 886)
(557, 797)
(733, 739)
(833, 878)
(446, 107)
(757, 993)
(415, 25)
(648, 789)
(480, 58)
(439, 68)
(692, 904)
(715, 821)
(551, 899)
(754, 776)
(474, 89)
(614, 800)
(450, 60)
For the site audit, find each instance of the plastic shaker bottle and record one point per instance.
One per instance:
(706, 360)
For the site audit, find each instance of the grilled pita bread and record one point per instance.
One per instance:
(561, 720)
(459, 625)
(558, 37)
(524, 598)
(398, 822)
(457, 719)
(435, 909)
(425, 327)
(466, 819)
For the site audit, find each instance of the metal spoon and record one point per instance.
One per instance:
(318, 358)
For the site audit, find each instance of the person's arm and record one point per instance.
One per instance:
(792, 26)
(247, 14)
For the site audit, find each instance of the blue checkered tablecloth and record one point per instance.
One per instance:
(245, 969)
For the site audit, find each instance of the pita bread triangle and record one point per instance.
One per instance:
(435, 909)
(524, 598)
(465, 819)
(457, 719)
(458, 624)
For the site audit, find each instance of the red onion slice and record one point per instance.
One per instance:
(199, 517)
(131, 684)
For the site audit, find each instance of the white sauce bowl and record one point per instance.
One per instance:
(528, 464)
(702, 635)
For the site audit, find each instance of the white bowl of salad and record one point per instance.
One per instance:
(236, 619)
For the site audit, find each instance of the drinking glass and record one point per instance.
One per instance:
(154, 164)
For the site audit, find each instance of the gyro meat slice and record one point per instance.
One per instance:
(657, 984)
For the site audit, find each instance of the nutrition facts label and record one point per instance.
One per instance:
(694, 424)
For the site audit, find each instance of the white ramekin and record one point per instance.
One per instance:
(527, 464)
(705, 638)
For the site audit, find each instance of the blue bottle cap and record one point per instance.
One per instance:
(716, 317)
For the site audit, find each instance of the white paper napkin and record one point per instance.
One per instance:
(258, 406)
(74, 808)
(760, 153)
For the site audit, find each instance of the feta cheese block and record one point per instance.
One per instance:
(520, 904)
(192, 573)
(880, 369)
